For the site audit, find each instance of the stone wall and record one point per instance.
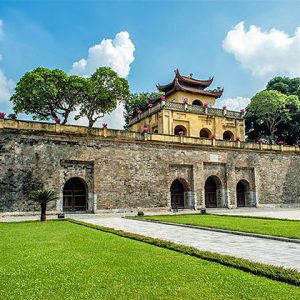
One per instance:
(125, 174)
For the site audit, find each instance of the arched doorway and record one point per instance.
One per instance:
(242, 189)
(228, 135)
(211, 192)
(75, 195)
(197, 102)
(205, 133)
(178, 129)
(177, 194)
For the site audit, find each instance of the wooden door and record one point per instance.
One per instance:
(240, 195)
(177, 194)
(210, 193)
(75, 195)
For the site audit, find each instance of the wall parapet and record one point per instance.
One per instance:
(74, 130)
(201, 110)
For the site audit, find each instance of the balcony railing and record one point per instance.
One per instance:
(201, 110)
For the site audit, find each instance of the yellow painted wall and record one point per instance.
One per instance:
(154, 122)
(179, 96)
(194, 123)
(166, 120)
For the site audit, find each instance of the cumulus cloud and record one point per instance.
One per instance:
(115, 120)
(264, 52)
(7, 86)
(236, 104)
(116, 53)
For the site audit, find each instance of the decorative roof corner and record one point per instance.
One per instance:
(189, 84)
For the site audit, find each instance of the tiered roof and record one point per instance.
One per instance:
(189, 84)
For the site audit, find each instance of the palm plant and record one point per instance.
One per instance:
(43, 197)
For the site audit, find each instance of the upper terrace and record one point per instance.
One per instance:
(196, 109)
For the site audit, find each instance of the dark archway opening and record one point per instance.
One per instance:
(205, 133)
(197, 102)
(177, 194)
(228, 135)
(75, 195)
(242, 189)
(210, 192)
(180, 129)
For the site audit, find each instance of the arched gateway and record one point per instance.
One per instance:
(177, 194)
(211, 192)
(75, 195)
(242, 188)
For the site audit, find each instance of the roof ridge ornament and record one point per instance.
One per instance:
(189, 84)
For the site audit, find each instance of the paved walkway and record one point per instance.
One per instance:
(256, 249)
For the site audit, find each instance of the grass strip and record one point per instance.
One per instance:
(289, 276)
(251, 217)
(223, 215)
(271, 227)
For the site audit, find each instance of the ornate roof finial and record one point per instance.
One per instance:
(191, 75)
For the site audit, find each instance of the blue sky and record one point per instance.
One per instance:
(166, 35)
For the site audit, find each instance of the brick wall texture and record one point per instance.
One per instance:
(136, 174)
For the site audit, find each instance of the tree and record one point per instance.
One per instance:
(285, 85)
(271, 108)
(255, 129)
(137, 100)
(104, 90)
(48, 94)
(285, 131)
(43, 197)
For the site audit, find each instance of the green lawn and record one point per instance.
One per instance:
(61, 260)
(283, 228)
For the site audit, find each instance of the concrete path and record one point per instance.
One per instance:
(255, 249)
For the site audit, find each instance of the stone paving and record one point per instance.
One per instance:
(255, 249)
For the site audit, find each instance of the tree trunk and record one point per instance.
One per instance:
(272, 135)
(66, 116)
(43, 211)
(91, 123)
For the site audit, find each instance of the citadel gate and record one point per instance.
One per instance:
(75, 195)
(177, 194)
(210, 193)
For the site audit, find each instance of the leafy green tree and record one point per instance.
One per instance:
(255, 129)
(48, 94)
(137, 100)
(285, 85)
(43, 197)
(286, 131)
(104, 90)
(271, 108)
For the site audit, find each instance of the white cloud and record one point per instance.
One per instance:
(116, 53)
(115, 120)
(264, 52)
(6, 88)
(236, 104)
